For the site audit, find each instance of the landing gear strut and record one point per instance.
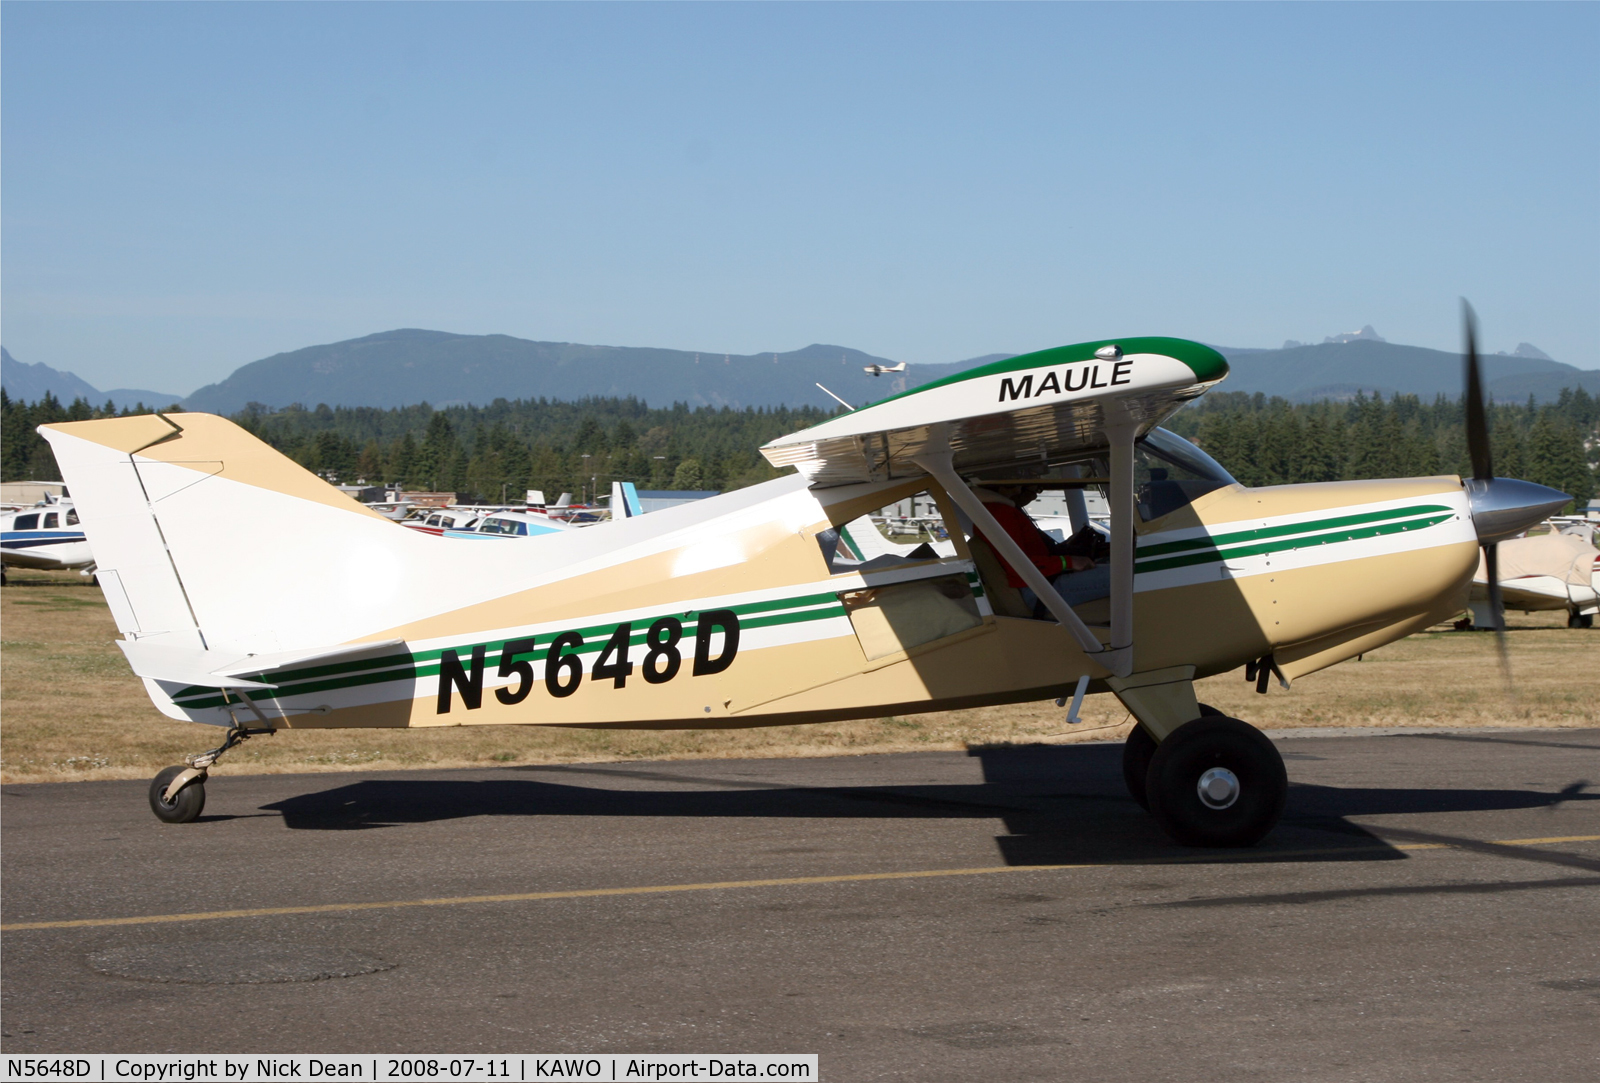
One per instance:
(178, 793)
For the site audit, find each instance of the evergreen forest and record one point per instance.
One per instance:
(496, 452)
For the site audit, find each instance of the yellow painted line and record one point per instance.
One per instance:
(719, 885)
(1546, 842)
(532, 896)
(1409, 846)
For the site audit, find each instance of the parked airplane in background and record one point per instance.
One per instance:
(436, 521)
(47, 537)
(737, 611)
(511, 523)
(1553, 571)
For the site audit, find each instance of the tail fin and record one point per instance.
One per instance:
(209, 539)
(625, 500)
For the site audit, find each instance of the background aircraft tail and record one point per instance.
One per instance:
(625, 500)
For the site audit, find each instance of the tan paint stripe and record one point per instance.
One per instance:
(661, 889)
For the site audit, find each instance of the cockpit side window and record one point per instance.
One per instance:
(52, 520)
(72, 517)
(25, 522)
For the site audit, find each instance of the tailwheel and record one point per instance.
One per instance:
(182, 807)
(1136, 753)
(1217, 781)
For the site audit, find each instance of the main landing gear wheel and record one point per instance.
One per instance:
(1136, 753)
(1580, 620)
(1217, 781)
(186, 804)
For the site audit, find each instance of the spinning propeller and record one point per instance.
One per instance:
(1501, 507)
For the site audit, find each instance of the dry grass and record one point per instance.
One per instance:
(70, 709)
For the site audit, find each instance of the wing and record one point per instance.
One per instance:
(1052, 403)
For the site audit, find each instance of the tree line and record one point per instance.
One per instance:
(502, 449)
(1270, 441)
(485, 452)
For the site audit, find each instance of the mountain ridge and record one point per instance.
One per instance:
(30, 383)
(407, 366)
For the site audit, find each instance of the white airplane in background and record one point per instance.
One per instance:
(879, 370)
(1543, 572)
(47, 537)
(510, 523)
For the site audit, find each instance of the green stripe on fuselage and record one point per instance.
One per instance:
(1205, 541)
(1303, 541)
(397, 667)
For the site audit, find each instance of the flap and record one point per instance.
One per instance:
(1052, 403)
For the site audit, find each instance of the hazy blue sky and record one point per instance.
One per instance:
(189, 187)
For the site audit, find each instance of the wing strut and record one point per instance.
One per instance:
(1117, 659)
(1121, 434)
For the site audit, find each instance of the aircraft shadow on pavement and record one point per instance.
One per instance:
(1059, 804)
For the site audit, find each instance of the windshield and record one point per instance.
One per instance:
(1176, 451)
(1169, 472)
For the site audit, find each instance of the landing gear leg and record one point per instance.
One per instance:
(178, 793)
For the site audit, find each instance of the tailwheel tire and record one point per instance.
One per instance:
(1217, 781)
(186, 804)
(1136, 753)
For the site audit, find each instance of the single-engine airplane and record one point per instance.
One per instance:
(47, 536)
(739, 611)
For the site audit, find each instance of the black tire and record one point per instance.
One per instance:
(1580, 620)
(1136, 753)
(1226, 744)
(186, 804)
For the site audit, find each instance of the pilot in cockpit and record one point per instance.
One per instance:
(1069, 565)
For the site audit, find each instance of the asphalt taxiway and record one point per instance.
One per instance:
(1428, 909)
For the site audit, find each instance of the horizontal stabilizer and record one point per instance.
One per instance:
(182, 665)
(221, 669)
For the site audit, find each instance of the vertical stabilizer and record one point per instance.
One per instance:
(625, 500)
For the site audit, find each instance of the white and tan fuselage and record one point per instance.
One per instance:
(726, 612)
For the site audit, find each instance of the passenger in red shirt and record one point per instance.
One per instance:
(1077, 579)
